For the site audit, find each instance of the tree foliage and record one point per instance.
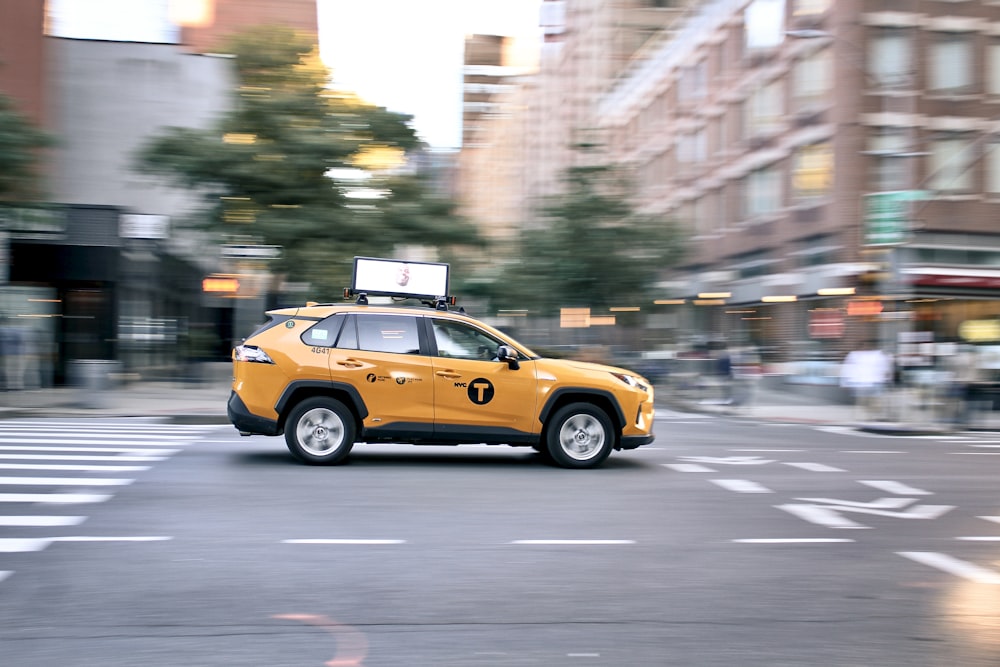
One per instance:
(20, 142)
(591, 248)
(265, 169)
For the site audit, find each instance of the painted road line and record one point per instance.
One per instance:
(984, 538)
(741, 485)
(64, 481)
(793, 540)
(104, 538)
(83, 425)
(986, 446)
(118, 458)
(132, 440)
(341, 541)
(872, 451)
(570, 542)
(814, 467)
(55, 498)
(687, 467)
(4, 574)
(22, 545)
(994, 519)
(898, 488)
(92, 450)
(952, 565)
(71, 467)
(40, 521)
(768, 450)
(974, 453)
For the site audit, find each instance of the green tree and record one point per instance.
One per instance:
(20, 143)
(590, 248)
(265, 169)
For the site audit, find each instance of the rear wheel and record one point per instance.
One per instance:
(579, 435)
(320, 431)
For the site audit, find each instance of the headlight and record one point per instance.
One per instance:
(251, 353)
(631, 381)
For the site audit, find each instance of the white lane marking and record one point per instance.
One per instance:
(823, 516)
(974, 453)
(952, 565)
(571, 542)
(766, 450)
(583, 655)
(792, 540)
(105, 538)
(38, 521)
(813, 467)
(985, 538)
(132, 440)
(83, 425)
(341, 541)
(687, 467)
(898, 488)
(22, 545)
(741, 485)
(64, 481)
(872, 451)
(826, 511)
(4, 574)
(994, 519)
(986, 446)
(93, 450)
(71, 467)
(119, 458)
(55, 498)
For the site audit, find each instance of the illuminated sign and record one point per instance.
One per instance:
(220, 285)
(864, 307)
(391, 277)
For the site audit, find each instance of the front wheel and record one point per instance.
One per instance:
(579, 435)
(320, 431)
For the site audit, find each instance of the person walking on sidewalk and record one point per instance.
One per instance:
(866, 372)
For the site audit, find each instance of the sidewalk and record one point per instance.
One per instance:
(203, 401)
(773, 402)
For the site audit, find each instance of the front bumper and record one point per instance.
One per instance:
(633, 441)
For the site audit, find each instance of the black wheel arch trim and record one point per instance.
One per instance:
(557, 395)
(357, 402)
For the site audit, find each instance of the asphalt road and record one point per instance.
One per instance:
(724, 543)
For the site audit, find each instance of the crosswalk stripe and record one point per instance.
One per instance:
(96, 450)
(119, 458)
(133, 440)
(64, 481)
(11, 545)
(71, 467)
(41, 521)
(55, 498)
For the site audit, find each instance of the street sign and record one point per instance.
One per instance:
(887, 216)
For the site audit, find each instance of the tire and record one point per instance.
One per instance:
(579, 435)
(320, 431)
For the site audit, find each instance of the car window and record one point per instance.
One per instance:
(348, 339)
(388, 333)
(323, 334)
(461, 341)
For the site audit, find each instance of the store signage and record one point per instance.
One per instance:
(143, 226)
(935, 280)
(979, 331)
(887, 216)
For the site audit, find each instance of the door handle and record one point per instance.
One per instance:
(451, 375)
(350, 363)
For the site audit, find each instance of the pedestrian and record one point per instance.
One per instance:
(866, 372)
(965, 380)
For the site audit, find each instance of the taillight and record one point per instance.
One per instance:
(251, 353)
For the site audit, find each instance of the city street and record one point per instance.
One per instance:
(727, 542)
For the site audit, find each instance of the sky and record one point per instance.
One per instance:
(405, 55)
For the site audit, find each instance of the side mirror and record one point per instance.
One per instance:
(507, 354)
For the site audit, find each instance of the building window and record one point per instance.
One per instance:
(693, 83)
(813, 171)
(764, 191)
(890, 63)
(766, 109)
(692, 147)
(951, 162)
(992, 163)
(811, 7)
(993, 68)
(813, 79)
(950, 66)
(891, 170)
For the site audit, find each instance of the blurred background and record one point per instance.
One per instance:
(646, 182)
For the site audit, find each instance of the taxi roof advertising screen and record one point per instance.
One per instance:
(399, 278)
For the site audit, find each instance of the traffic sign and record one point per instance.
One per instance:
(887, 216)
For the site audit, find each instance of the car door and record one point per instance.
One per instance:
(477, 397)
(379, 354)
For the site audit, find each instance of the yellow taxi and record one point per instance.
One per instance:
(330, 375)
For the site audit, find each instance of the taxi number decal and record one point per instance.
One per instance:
(480, 391)
(320, 350)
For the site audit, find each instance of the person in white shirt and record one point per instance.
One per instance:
(866, 373)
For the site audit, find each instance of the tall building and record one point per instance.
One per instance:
(206, 24)
(835, 162)
(23, 57)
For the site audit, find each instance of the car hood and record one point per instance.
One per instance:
(588, 366)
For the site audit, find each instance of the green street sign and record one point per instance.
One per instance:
(887, 216)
